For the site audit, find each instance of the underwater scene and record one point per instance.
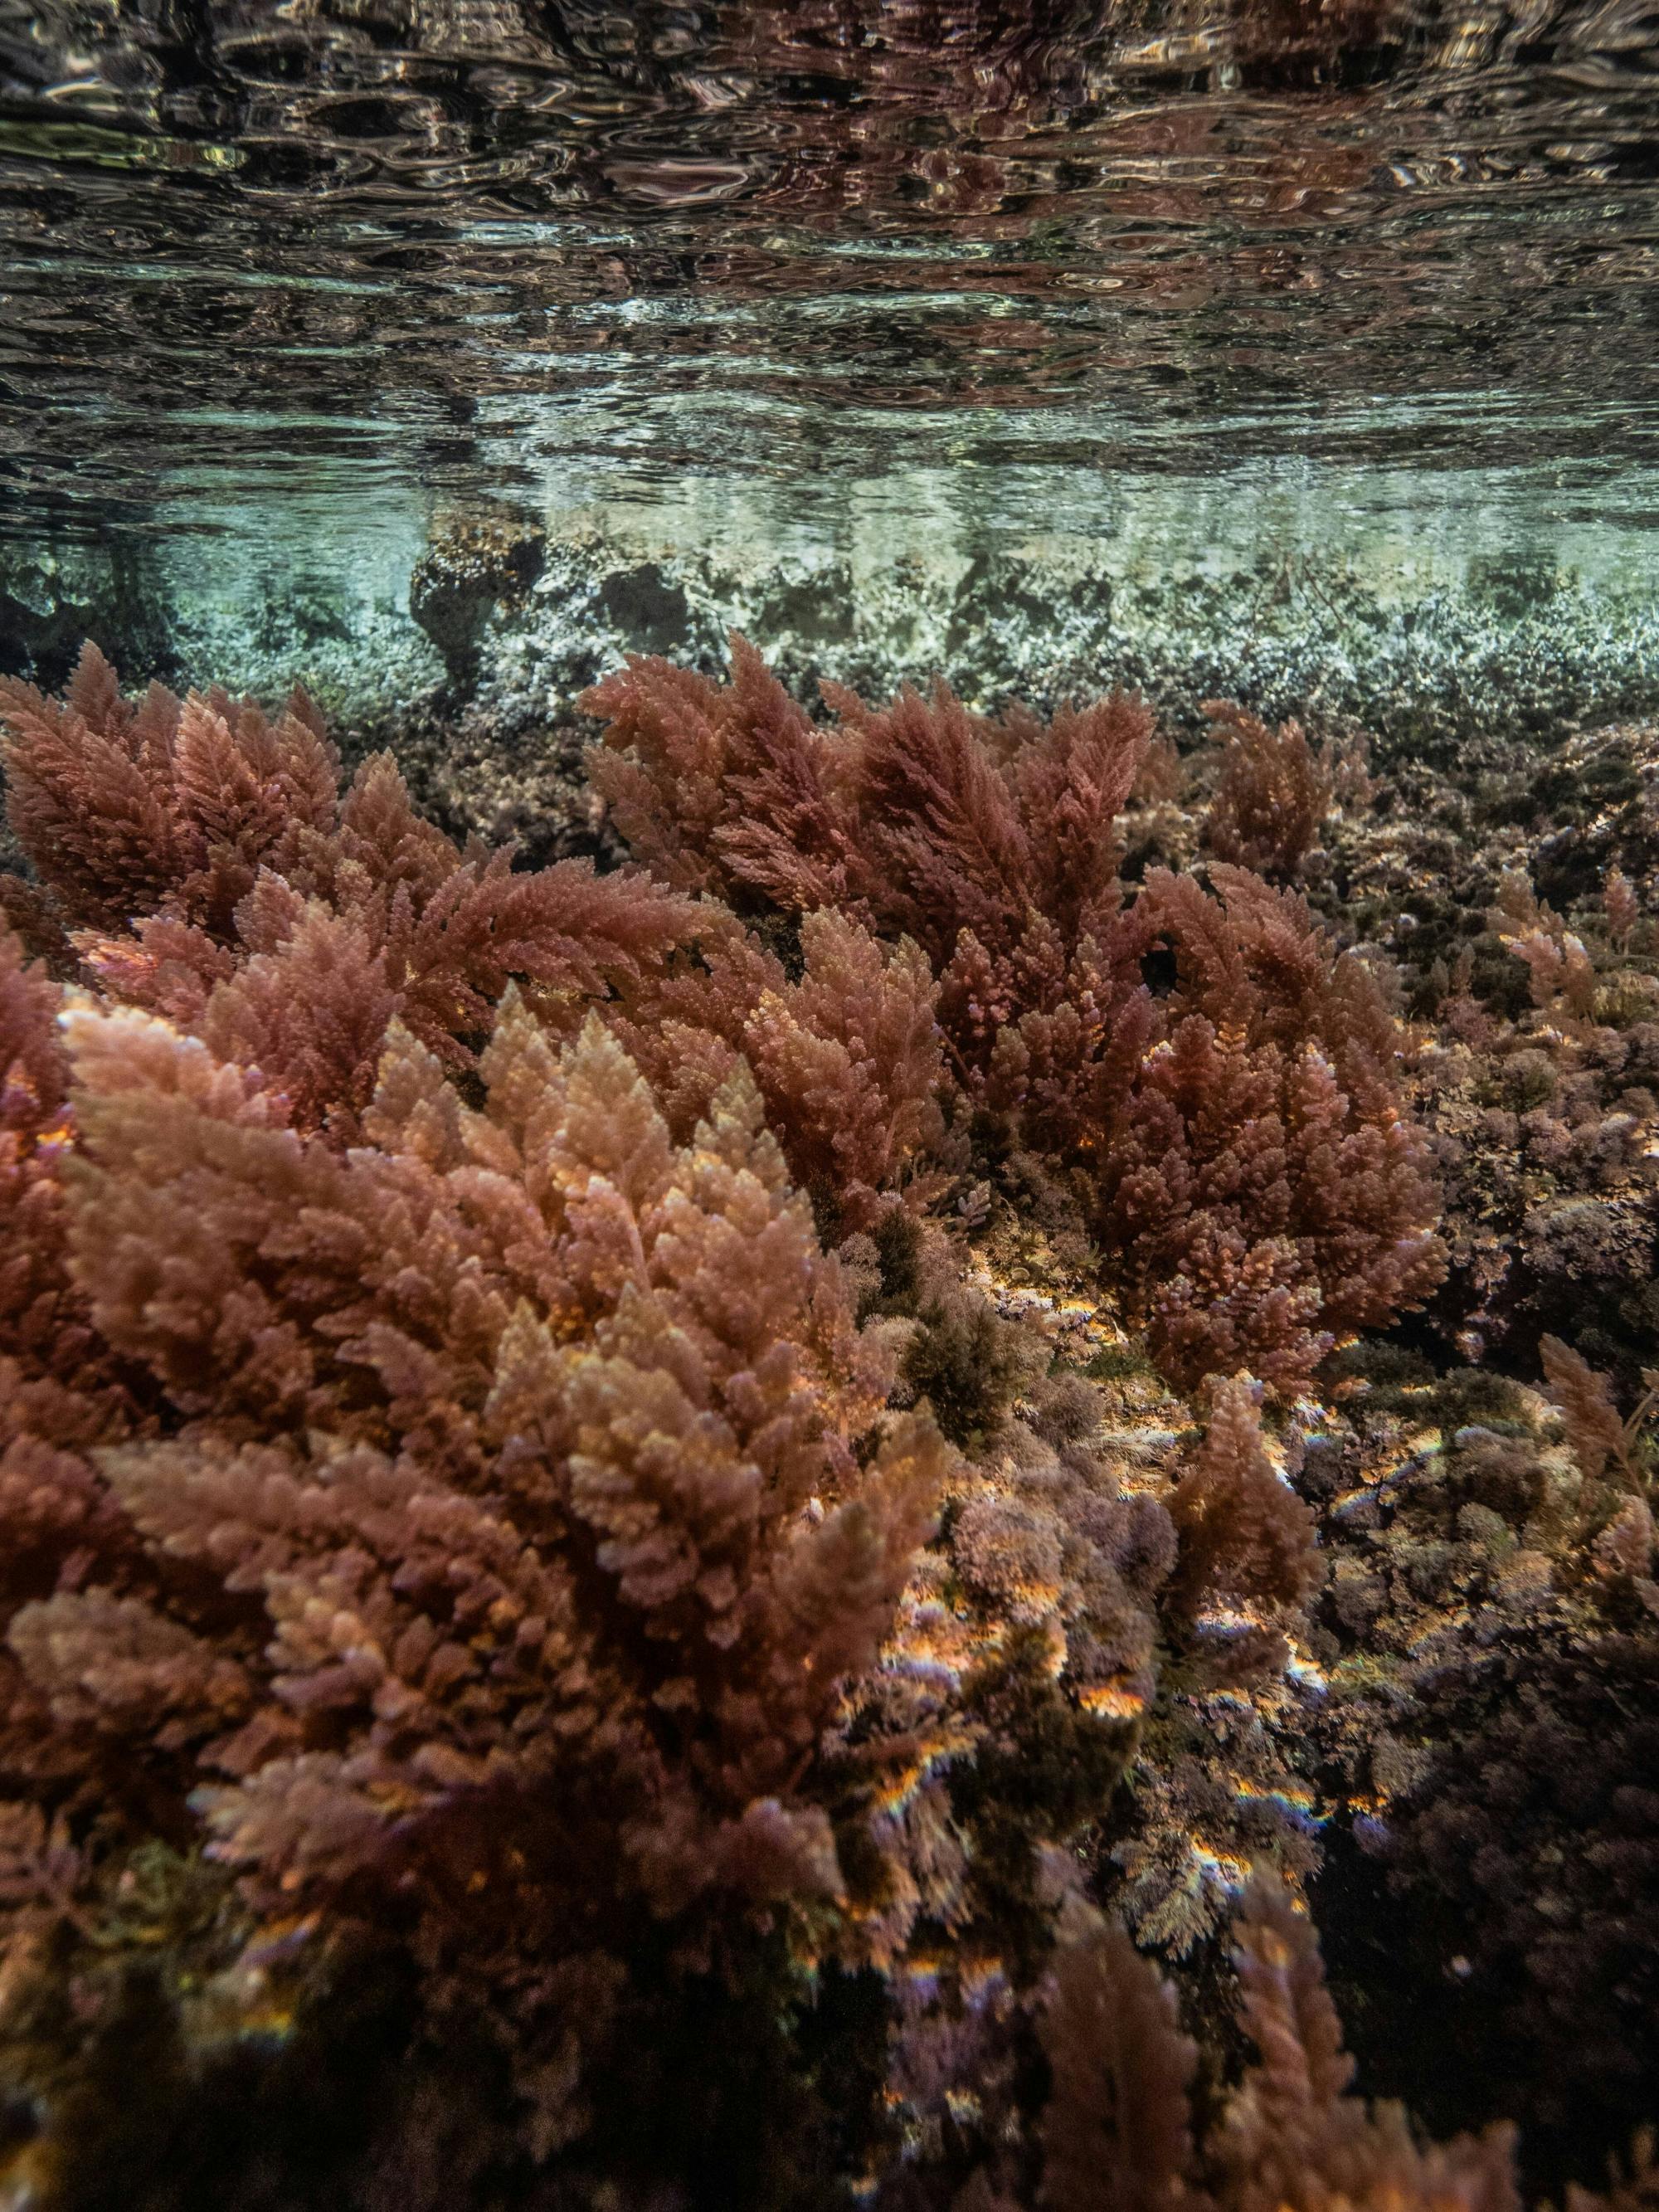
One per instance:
(829, 1106)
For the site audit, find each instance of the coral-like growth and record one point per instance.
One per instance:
(1013, 1691)
(848, 1056)
(209, 868)
(1584, 1400)
(936, 819)
(1118, 2128)
(1264, 1191)
(990, 843)
(1560, 973)
(1272, 795)
(494, 1493)
(545, 1342)
(728, 788)
(486, 1585)
(1257, 1185)
(54, 1362)
(1246, 1539)
(1117, 2131)
(289, 926)
(33, 1128)
(534, 1508)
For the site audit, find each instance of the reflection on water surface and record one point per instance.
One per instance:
(472, 246)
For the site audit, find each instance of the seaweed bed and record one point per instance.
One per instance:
(770, 1525)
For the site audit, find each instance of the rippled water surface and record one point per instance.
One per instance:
(294, 255)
